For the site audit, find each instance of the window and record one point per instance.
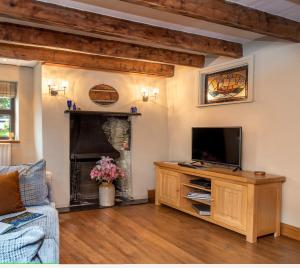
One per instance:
(8, 92)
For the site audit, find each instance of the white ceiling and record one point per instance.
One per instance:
(285, 8)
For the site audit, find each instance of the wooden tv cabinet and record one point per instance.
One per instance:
(240, 201)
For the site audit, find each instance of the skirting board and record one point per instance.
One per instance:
(290, 231)
(151, 196)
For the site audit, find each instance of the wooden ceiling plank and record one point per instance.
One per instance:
(229, 14)
(43, 37)
(84, 61)
(59, 16)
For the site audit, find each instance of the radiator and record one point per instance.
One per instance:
(5, 154)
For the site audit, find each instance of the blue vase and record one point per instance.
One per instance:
(69, 104)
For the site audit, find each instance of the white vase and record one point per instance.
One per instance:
(106, 194)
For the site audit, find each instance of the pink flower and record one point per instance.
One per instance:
(106, 170)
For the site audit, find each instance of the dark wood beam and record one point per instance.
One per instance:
(54, 15)
(229, 14)
(84, 61)
(43, 37)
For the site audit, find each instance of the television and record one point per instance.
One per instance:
(217, 145)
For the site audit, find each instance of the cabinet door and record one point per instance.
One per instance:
(229, 204)
(169, 184)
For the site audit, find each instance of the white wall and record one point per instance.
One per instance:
(37, 111)
(270, 124)
(149, 136)
(24, 151)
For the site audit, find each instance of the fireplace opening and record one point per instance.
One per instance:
(91, 137)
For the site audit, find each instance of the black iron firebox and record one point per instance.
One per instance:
(88, 142)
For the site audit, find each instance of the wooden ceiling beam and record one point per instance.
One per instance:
(84, 61)
(59, 16)
(229, 14)
(54, 39)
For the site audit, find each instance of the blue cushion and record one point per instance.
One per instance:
(33, 185)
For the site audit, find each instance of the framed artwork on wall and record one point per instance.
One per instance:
(227, 83)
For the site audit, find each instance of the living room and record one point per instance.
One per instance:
(135, 95)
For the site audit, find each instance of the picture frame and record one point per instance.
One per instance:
(227, 83)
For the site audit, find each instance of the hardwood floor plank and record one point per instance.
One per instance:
(215, 243)
(158, 246)
(151, 234)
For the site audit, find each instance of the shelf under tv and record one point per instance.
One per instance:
(196, 187)
(202, 201)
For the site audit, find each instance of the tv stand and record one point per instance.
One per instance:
(239, 201)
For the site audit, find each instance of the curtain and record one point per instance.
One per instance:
(8, 89)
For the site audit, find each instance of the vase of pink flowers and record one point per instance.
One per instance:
(105, 173)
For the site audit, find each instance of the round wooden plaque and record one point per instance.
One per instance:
(103, 94)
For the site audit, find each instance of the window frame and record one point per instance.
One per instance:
(12, 113)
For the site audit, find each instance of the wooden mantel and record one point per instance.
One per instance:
(102, 113)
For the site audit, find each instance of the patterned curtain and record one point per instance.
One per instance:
(8, 89)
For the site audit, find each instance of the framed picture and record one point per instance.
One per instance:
(228, 83)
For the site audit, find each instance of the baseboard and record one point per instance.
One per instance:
(290, 231)
(151, 196)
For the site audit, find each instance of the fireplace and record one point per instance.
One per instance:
(92, 135)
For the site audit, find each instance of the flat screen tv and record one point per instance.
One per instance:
(217, 145)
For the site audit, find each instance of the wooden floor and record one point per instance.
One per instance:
(150, 234)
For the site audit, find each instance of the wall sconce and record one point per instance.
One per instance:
(55, 88)
(148, 93)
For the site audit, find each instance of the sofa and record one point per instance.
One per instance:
(48, 252)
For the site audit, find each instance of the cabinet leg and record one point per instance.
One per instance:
(251, 239)
(276, 234)
(157, 203)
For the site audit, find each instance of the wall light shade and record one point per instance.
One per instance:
(155, 92)
(50, 83)
(64, 84)
(145, 93)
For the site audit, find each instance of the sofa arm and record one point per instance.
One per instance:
(50, 180)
